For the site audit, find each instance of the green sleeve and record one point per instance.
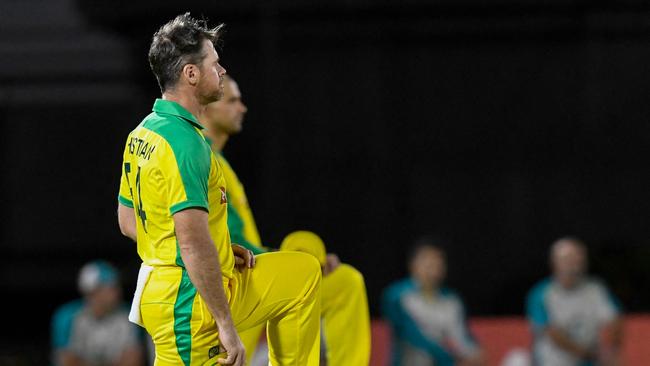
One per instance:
(188, 173)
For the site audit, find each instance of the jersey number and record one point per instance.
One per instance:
(138, 207)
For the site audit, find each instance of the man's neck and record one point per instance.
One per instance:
(569, 283)
(186, 101)
(99, 312)
(218, 139)
(428, 290)
(429, 293)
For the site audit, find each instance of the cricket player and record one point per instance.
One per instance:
(191, 297)
(345, 315)
(427, 319)
(569, 311)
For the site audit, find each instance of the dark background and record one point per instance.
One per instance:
(498, 125)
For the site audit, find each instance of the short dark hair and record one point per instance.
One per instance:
(574, 240)
(426, 242)
(178, 43)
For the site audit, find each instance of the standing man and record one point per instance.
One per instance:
(345, 315)
(427, 319)
(569, 311)
(173, 202)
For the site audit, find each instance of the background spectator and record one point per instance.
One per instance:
(427, 319)
(94, 330)
(569, 311)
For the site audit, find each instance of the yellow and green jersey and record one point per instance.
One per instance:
(241, 222)
(168, 167)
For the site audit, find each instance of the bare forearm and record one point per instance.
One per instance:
(475, 359)
(67, 358)
(562, 340)
(615, 329)
(202, 263)
(126, 221)
(131, 357)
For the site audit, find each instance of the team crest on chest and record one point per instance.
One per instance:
(224, 198)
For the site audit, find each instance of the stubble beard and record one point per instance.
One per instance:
(211, 97)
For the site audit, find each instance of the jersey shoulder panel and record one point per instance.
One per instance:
(191, 157)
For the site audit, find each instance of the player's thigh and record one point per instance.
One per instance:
(178, 320)
(158, 320)
(251, 337)
(278, 282)
(157, 310)
(339, 285)
(199, 347)
(206, 346)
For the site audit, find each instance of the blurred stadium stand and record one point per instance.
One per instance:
(499, 336)
(59, 74)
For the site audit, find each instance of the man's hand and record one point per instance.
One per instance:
(609, 357)
(131, 356)
(233, 346)
(332, 262)
(562, 340)
(474, 360)
(610, 351)
(68, 358)
(244, 258)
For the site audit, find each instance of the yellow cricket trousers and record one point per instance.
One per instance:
(345, 315)
(281, 291)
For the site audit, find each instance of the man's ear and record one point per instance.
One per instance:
(191, 73)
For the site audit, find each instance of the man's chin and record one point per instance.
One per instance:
(235, 130)
(215, 97)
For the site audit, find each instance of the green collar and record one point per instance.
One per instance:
(162, 106)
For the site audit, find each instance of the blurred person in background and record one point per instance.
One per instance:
(428, 320)
(570, 311)
(95, 330)
(344, 309)
(344, 304)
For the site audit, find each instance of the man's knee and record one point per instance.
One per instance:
(302, 267)
(312, 266)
